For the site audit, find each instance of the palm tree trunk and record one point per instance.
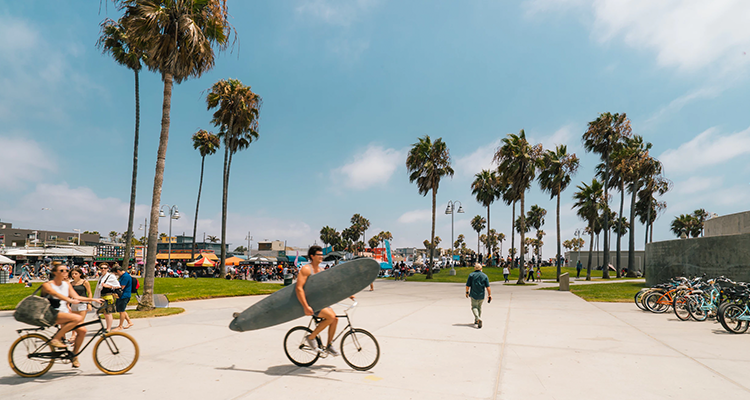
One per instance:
(489, 251)
(521, 245)
(513, 232)
(559, 245)
(478, 243)
(432, 234)
(591, 251)
(631, 244)
(224, 202)
(147, 300)
(197, 204)
(131, 212)
(605, 268)
(619, 227)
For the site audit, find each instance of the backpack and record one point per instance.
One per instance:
(136, 285)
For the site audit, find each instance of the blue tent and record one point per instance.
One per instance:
(385, 265)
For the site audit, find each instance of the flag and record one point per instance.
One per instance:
(388, 250)
(296, 260)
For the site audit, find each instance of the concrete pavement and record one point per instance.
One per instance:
(534, 345)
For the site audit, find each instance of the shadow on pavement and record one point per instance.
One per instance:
(466, 325)
(291, 370)
(49, 376)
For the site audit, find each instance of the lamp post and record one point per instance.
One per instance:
(79, 235)
(173, 214)
(449, 210)
(249, 238)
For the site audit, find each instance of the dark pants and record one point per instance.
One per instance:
(578, 272)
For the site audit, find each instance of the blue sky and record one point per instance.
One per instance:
(348, 86)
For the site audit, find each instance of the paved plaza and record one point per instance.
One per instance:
(535, 344)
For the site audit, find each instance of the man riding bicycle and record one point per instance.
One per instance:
(328, 317)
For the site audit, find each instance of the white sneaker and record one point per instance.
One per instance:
(312, 343)
(332, 351)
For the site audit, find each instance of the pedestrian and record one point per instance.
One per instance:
(106, 285)
(530, 275)
(475, 287)
(579, 266)
(506, 272)
(126, 283)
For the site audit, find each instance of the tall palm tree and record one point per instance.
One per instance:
(603, 137)
(634, 164)
(518, 162)
(616, 180)
(558, 167)
(361, 224)
(510, 196)
(589, 200)
(478, 223)
(177, 37)
(427, 163)
(237, 115)
(486, 190)
(126, 51)
(702, 215)
(207, 144)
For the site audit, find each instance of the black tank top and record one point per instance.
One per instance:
(80, 290)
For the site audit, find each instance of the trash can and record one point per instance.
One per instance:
(288, 279)
(4, 276)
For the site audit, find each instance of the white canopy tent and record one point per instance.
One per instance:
(6, 260)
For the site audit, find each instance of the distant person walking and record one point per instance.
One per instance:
(475, 286)
(506, 272)
(579, 266)
(121, 305)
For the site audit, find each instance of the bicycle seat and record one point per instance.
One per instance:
(697, 291)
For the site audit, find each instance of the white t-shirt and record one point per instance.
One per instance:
(106, 279)
(506, 270)
(63, 289)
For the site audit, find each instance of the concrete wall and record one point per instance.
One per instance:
(715, 256)
(732, 224)
(597, 258)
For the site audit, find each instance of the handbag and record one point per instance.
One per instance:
(35, 310)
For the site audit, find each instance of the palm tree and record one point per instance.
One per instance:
(589, 200)
(177, 37)
(485, 189)
(510, 196)
(206, 143)
(558, 167)
(683, 225)
(427, 163)
(127, 51)
(328, 235)
(518, 162)
(237, 114)
(634, 164)
(478, 223)
(702, 215)
(361, 224)
(373, 242)
(603, 137)
(211, 238)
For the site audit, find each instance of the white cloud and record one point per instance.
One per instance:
(706, 149)
(563, 135)
(479, 159)
(697, 184)
(688, 35)
(708, 92)
(372, 167)
(335, 12)
(24, 161)
(410, 217)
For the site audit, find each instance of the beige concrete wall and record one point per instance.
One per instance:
(732, 224)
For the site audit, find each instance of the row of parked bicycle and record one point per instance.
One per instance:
(700, 298)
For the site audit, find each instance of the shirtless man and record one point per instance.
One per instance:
(315, 254)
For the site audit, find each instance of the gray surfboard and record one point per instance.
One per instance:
(321, 290)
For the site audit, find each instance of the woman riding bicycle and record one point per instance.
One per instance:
(60, 293)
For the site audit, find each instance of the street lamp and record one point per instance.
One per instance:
(79, 235)
(449, 210)
(173, 214)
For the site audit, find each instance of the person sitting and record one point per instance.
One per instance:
(61, 293)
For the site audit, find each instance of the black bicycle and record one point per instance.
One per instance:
(358, 347)
(31, 355)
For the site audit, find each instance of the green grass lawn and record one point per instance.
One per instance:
(495, 274)
(176, 289)
(620, 292)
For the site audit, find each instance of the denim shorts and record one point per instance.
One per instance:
(122, 303)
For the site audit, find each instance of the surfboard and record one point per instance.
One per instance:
(321, 290)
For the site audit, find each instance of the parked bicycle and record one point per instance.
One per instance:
(31, 355)
(358, 347)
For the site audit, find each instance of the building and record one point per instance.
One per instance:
(181, 245)
(18, 237)
(732, 224)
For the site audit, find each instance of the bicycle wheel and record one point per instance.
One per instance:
(638, 298)
(729, 319)
(296, 348)
(694, 308)
(23, 363)
(679, 305)
(653, 302)
(118, 355)
(360, 349)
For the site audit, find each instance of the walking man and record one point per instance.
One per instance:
(579, 266)
(475, 286)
